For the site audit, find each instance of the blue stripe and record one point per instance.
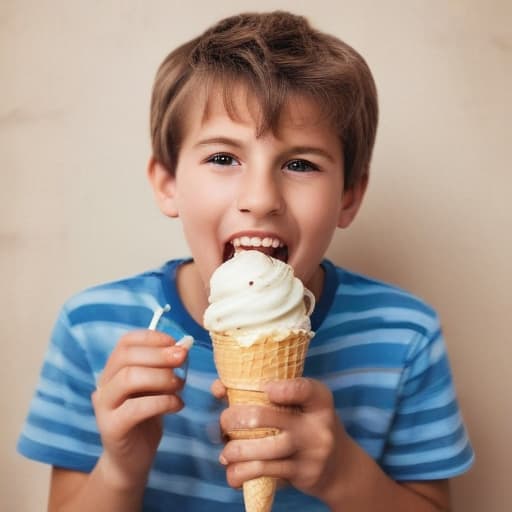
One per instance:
(66, 350)
(61, 441)
(331, 340)
(381, 398)
(84, 431)
(134, 315)
(357, 302)
(407, 420)
(378, 355)
(387, 378)
(161, 499)
(55, 455)
(425, 431)
(122, 294)
(79, 406)
(366, 322)
(437, 398)
(189, 486)
(433, 470)
(374, 419)
(429, 381)
(67, 378)
(450, 439)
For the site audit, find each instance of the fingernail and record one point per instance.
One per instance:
(223, 460)
(187, 342)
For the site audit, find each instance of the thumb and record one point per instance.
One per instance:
(308, 394)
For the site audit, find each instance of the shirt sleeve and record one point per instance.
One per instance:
(60, 428)
(428, 439)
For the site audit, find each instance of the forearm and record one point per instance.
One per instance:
(362, 486)
(99, 490)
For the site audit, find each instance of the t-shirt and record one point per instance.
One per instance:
(378, 348)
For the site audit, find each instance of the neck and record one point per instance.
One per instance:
(192, 291)
(316, 284)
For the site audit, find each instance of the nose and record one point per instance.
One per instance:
(260, 193)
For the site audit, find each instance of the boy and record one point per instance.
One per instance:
(262, 132)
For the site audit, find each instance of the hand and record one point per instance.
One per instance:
(135, 389)
(308, 450)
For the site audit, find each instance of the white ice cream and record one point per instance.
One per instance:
(253, 294)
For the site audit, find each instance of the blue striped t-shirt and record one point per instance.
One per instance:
(378, 348)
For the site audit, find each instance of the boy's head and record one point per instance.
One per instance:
(274, 55)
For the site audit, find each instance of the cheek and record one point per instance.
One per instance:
(198, 200)
(319, 215)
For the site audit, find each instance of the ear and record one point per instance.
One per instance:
(351, 202)
(163, 183)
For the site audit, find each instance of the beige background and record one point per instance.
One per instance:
(75, 208)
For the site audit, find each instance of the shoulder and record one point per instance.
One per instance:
(142, 290)
(101, 314)
(376, 323)
(92, 321)
(363, 297)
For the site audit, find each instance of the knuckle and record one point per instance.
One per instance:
(127, 339)
(256, 415)
(172, 403)
(225, 420)
(296, 389)
(125, 352)
(304, 387)
(287, 443)
(234, 451)
(234, 475)
(310, 476)
(258, 468)
(131, 375)
(281, 469)
(325, 439)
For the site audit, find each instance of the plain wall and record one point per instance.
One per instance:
(75, 208)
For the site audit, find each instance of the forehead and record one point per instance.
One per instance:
(238, 104)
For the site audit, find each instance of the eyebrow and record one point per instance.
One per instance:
(293, 150)
(227, 141)
(312, 150)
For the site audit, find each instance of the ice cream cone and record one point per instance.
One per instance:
(244, 370)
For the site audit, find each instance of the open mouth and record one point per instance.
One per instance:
(270, 246)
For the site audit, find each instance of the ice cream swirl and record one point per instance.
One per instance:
(253, 294)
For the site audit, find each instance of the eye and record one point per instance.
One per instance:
(223, 159)
(300, 165)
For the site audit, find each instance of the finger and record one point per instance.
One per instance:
(133, 381)
(272, 447)
(241, 417)
(128, 354)
(136, 410)
(147, 337)
(308, 394)
(241, 472)
(218, 389)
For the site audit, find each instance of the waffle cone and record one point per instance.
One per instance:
(244, 370)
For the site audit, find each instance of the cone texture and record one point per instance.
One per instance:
(244, 371)
(249, 368)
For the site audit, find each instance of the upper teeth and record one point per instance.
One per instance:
(256, 241)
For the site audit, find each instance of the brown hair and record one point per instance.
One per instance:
(274, 54)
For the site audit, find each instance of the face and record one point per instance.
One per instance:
(281, 193)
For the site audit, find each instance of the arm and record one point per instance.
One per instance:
(136, 388)
(77, 491)
(326, 464)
